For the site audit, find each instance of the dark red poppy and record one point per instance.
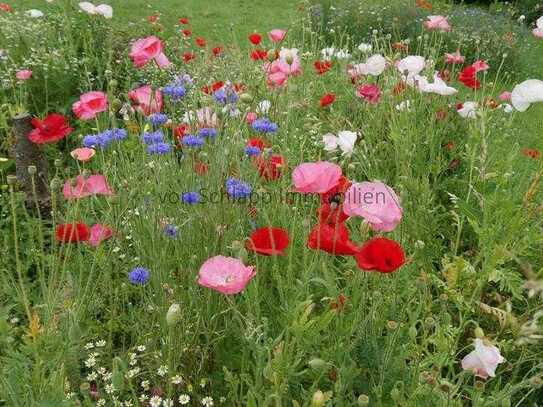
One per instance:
(271, 168)
(49, 130)
(331, 213)
(188, 56)
(336, 193)
(255, 38)
(532, 153)
(468, 77)
(217, 51)
(201, 42)
(321, 67)
(181, 130)
(327, 99)
(186, 32)
(257, 142)
(380, 254)
(183, 20)
(259, 54)
(268, 241)
(72, 233)
(333, 239)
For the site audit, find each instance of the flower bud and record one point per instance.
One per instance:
(55, 184)
(58, 163)
(479, 333)
(363, 400)
(113, 83)
(173, 316)
(11, 179)
(318, 399)
(245, 98)
(395, 394)
(32, 170)
(413, 332)
(317, 364)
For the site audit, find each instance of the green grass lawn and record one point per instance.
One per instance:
(214, 20)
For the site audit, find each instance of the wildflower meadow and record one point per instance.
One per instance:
(284, 203)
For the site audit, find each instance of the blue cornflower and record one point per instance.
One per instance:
(139, 275)
(237, 188)
(191, 198)
(153, 137)
(225, 95)
(158, 119)
(119, 134)
(207, 132)
(176, 92)
(159, 148)
(252, 151)
(264, 125)
(192, 141)
(170, 231)
(90, 141)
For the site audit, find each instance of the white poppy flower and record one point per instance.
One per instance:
(468, 110)
(439, 87)
(346, 140)
(34, 13)
(330, 142)
(413, 65)
(526, 93)
(263, 107)
(484, 360)
(404, 106)
(104, 10)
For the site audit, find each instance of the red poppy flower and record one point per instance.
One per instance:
(259, 54)
(468, 77)
(217, 51)
(72, 233)
(49, 130)
(181, 130)
(239, 87)
(200, 168)
(322, 66)
(268, 241)
(336, 193)
(255, 38)
(532, 153)
(327, 99)
(201, 42)
(183, 20)
(6, 7)
(186, 32)
(153, 19)
(333, 239)
(331, 213)
(257, 142)
(380, 254)
(215, 86)
(449, 145)
(188, 56)
(339, 303)
(271, 168)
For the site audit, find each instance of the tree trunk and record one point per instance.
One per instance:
(29, 154)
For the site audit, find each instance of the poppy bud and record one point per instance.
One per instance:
(116, 104)
(395, 394)
(55, 184)
(11, 179)
(479, 385)
(446, 386)
(479, 333)
(413, 332)
(173, 316)
(245, 98)
(318, 399)
(243, 255)
(392, 324)
(429, 322)
(363, 400)
(113, 83)
(32, 169)
(536, 381)
(58, 163)
(316, 364)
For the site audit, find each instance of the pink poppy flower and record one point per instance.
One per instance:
(480, 66)
(146, 100)
(505, 96)
(484, 360)
(226, 275)
(277, 35)
(439, 23)
(149, 49)
(455, 58)
(99, 233)
(251, 117)
(89, 105)
(83, 154)
(93, 185)
(376, 202)
(370, 93)
(23, 75)
(316, 178)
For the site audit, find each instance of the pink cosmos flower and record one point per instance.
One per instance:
(439, 23)
(89, 105)
(480, 66)
(99, 233)
(376, 202)
(455, 58)
(316, 178)
(505, 96)
(23, 75)
(83, 154)
(277, 35)
(370, 93)
(484, 360)
(226, 275)
(147, 101)
(251, 117)
(149, 49)
(93, 185)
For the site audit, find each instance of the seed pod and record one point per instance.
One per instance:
(173, 316)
